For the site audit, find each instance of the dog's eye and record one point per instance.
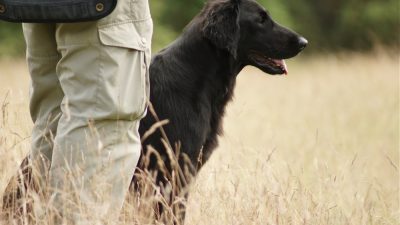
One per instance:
(263, 17)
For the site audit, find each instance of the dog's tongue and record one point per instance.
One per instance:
(283, 65)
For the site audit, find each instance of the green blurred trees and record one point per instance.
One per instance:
(327, 24)
(347, 24)
(11, 39)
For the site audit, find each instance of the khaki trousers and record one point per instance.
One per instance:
(88, 94)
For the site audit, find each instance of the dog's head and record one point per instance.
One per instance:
(246, 30)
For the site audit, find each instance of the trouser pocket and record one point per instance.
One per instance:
(125, 69)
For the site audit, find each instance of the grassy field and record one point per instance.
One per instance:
(320, 146)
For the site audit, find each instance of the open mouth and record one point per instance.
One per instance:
(269, 65)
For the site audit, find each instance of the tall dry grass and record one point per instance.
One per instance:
(320, 146)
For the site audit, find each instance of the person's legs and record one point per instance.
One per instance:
(45, 93)
(103, 73)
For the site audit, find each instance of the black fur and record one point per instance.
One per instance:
(193, 79)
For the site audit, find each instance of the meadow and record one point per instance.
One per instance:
(318, 147)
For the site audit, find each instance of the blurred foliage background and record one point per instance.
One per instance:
(329, 25)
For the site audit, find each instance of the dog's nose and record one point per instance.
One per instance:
(302, 43)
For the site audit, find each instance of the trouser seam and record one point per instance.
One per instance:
(100, 71)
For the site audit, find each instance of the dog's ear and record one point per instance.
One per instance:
(221, 24)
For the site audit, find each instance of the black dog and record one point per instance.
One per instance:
(193, 79)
